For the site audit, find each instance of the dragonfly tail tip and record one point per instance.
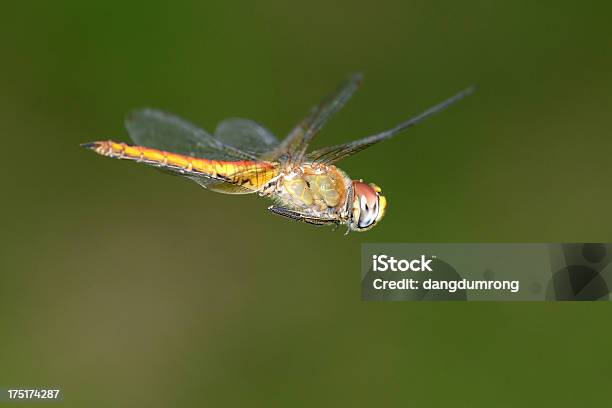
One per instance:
(90, 145)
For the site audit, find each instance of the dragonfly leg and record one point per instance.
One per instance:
(298, 216)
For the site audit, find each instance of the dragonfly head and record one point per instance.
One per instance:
(368, 206)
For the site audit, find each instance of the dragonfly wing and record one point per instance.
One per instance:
(246, 135)
(163, 131)
(213, 184)
(333, 154)
(297, 142)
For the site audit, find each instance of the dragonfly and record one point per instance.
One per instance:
(243, 157)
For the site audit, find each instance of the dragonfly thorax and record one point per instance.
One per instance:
(316, 189)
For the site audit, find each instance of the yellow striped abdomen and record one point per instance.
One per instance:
(250, 175)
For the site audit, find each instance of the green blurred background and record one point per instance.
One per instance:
(127, 287)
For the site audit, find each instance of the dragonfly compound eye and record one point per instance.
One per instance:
(368, 206)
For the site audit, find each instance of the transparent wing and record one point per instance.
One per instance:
(237, 178)
(160, 130)
(214, 184)
(336, 153)
(246, 135)
(297, 142)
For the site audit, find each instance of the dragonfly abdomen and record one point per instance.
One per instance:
(248, 174)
